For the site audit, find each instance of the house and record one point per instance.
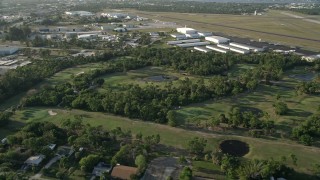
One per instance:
(101, 168)
(64, 151)
(120, 29)
(123, 172)
(52, 146)
(35, 160)
(7, 50)
(4, 141)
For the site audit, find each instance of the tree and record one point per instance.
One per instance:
(281, 108)
(141, 162)
(172, 118)
(87, 163)
(186, 174)
(197, 145)
(316, 169)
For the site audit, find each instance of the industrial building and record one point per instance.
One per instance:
(217, 49)
(217, 39)
(6, 50)
(79, 13)
(205, 34)
(223, 46)
(183, 41)
(179, 36)
(202, 49)
(186, 45)
(186, 30)
(239, 50)
(193, 35)
(87, 36)
(247, 47)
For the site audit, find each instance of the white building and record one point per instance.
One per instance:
(239, 50)
(186, 45)
(183, 41)
(205, 34)
(217, 39)
(87, 36)
(79, 13)
(217, 49)
(179, 36)
(247, 47)
(311, 58)
(202, 49)
(35, 160)
(186, 30)
(193, 35)
(8, 50)
(223, 46)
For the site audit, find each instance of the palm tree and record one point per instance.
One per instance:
(251, 170)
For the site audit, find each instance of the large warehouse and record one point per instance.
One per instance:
(186, 45)
(8, 50)
(239, 50)
(183, 41)
(186, 30)
(247, 47)
(79, 13)
(217, 39)
(217, 49)
(202, 49)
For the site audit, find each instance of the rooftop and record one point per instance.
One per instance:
(123, 172)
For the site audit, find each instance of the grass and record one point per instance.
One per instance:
(207, 169)
(259, 148)
(271, 22)
(139, 77)
(262, 99)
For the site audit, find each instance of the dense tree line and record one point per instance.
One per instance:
(23, 78)
(4, 118)
(309, 11)
(147, 103)
(192, 7)
(246, 119)
(99, 144)
(308, 130)
(311, 87)
(18, 33)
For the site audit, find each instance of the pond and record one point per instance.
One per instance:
(234, 147)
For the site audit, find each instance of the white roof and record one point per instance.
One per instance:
(186, 29)
(35, 160)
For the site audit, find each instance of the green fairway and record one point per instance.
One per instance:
(259, 148)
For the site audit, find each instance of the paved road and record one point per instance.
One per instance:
(300, 17)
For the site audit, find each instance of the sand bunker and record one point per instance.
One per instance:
(51, 113)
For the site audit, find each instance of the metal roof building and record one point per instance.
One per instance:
(217, 39)
(247, 47)
(217, 49)
(205, 34)
(202, 49)
(8, 50)
(186, 30)
(183, 41)
(186, 45)
(239, 50)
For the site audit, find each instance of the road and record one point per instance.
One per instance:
(300, 17)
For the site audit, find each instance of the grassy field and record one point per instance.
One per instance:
(259, 148)
(271, 22)
(262, 99)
